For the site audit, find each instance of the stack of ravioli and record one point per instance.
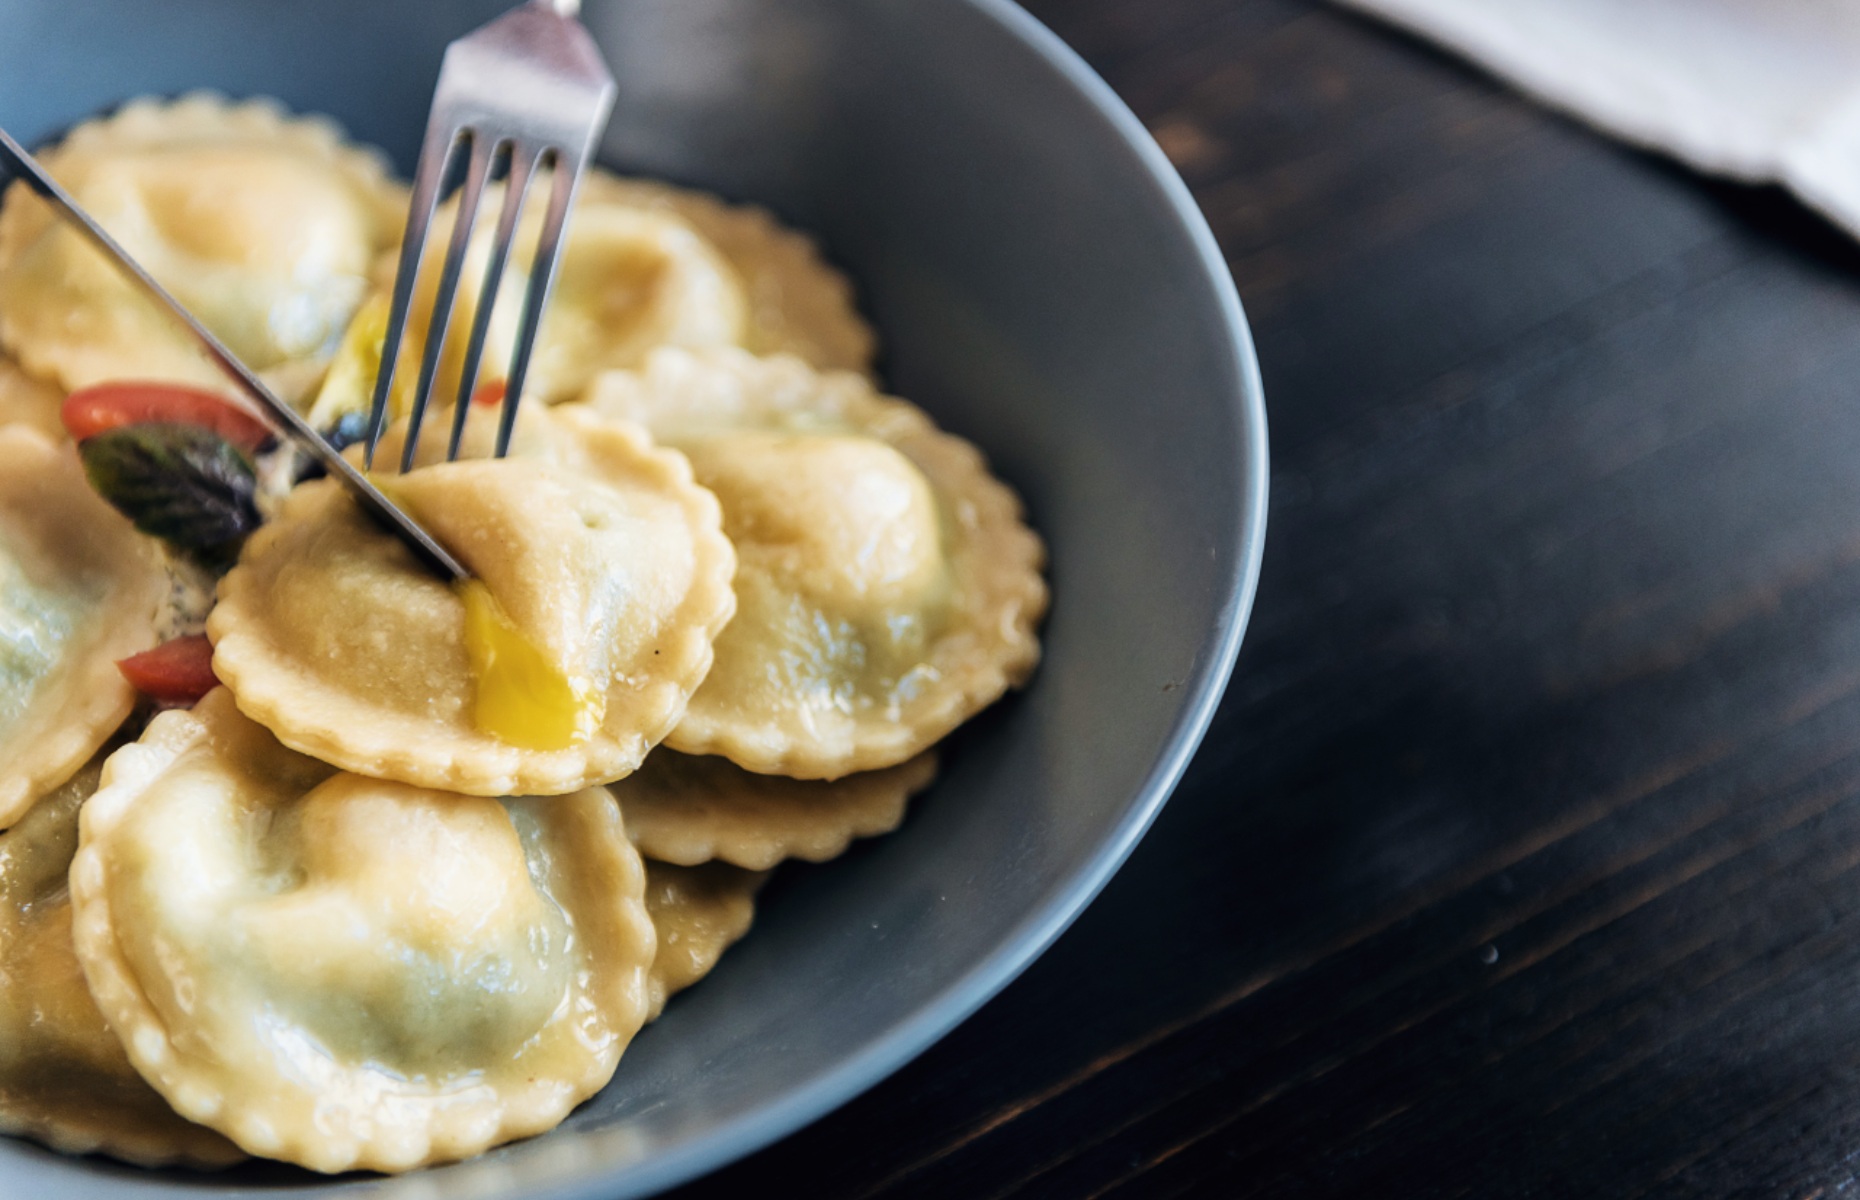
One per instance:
(323, 915)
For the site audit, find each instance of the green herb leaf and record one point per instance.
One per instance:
(184, 484)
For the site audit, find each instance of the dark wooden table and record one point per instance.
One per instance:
(1522, 856)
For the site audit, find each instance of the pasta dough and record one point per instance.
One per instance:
(28, 401)
(887, 588)
(687, 810)
(346, 973)
(643, 265)
(699, 912)
(79, 589)
(796, 303)
(601, 549)
(266, 227)
(628, 280)
(64, 1079)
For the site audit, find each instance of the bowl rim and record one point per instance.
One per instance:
(753, 1131)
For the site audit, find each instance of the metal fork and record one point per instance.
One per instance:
(530, 86)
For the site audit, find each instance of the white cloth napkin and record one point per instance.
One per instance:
(1759, 90)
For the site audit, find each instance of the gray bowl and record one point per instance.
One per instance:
(1045, 287)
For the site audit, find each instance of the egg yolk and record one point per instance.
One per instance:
(523, 697)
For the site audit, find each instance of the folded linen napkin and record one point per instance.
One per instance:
(1758, 90)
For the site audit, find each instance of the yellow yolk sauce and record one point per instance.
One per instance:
(523, 697)
(349, 385)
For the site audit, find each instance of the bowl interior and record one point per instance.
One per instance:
(1043, 288)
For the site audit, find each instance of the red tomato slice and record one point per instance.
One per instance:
(93, 410)
(177, 672)
(490, 393)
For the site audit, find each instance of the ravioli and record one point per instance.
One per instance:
(265, 226)
(346, 973)
(629, 280)
(796, 303)
(79, 589)
(698, 913)
(407, 886)
(643, 265)
(64, 1079)
(601, 549)
(887, 587)
(28, 401)
(686, 810)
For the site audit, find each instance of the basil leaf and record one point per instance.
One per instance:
(182, 483)
(216, 560)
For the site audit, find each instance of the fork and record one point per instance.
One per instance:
(529, 87)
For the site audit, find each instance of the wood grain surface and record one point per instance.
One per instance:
(1524, 854)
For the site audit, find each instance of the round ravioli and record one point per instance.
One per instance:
(347, 973)
(644, 265)
(698, 913)
(689, 810)
(28, 401)
(64, 1079)
(887, 587)
(79, 589)
(629, 280)
(796, 303)
(606, 565)
(265, 226)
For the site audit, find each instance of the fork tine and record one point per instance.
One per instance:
(565, 169)
(516, 187)
(435, 157)
(439, 327)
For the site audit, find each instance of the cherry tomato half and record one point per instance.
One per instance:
(93, 410)
(176, 672)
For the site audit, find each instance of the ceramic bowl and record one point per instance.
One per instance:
(1045, 287)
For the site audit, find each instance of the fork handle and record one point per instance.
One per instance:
(561, 8)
